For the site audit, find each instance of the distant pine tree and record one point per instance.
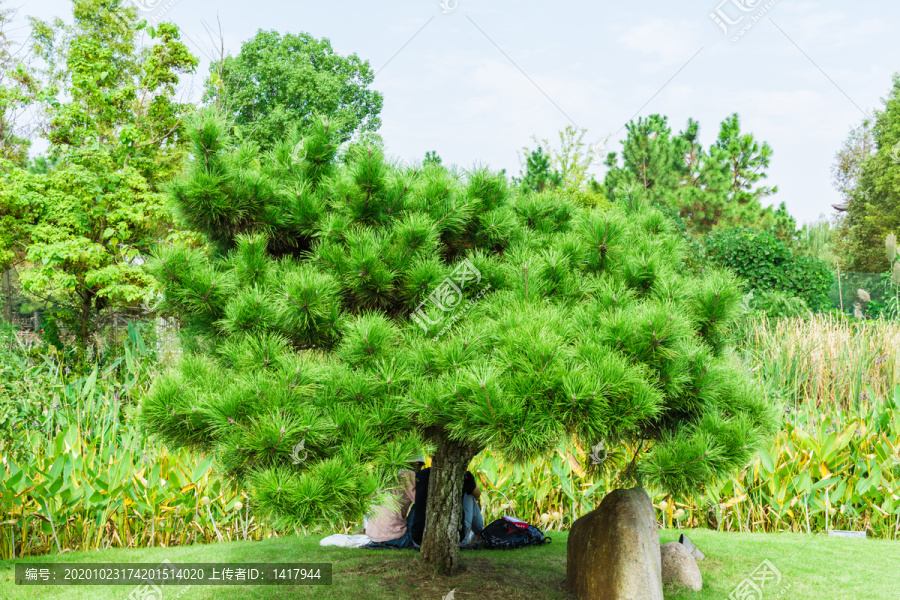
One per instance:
(539, 175)
(709, 189)
(351, 315)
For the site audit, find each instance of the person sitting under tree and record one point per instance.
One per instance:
(390, 524)
(472, 521)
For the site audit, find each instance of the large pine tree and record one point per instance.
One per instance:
(353, 312)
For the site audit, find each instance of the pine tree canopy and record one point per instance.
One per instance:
(712, 188)
(352, 313)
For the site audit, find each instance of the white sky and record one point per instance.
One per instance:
(597, 64)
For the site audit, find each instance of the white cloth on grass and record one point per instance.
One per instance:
(345, 541)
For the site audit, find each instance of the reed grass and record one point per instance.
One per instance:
(826, 359)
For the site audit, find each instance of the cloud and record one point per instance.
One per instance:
(780, 103)
(669, 42)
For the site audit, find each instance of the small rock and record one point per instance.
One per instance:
(679, 567)
(694, 550)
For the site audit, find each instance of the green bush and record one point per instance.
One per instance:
(776, 304)
(768, 265)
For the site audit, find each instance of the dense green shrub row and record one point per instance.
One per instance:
(768, 265)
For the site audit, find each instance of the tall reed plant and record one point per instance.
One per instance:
(829, 360)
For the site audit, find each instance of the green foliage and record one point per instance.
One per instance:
(776, 304)
(819, 465)
(40, 392)
(105, 94)
(819, 239)
(571, 157)
(50, 326)
(22, 199)
(565, 168)
(869, 179)
(710, 189)
(84, 217)
(74, 457)
(767, 264)
(86, 227)
(360, 311)
(539, 175)
(279, 82)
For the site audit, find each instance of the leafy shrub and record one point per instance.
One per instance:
(767, 264)
(76, 473)
(776, 304)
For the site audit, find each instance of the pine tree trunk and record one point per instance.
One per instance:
(440, 542)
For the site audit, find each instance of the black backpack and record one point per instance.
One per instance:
(510, 532)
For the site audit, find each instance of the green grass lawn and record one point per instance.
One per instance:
(813, 568)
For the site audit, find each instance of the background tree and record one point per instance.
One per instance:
(21, 202)
(571, 157)
(848, 162)
(565, 166)
(18, 89)
(539, 175)
(709, 189)
(869, 181)
(353, 313)
(109, 94)
(280, 81)
(84, 218)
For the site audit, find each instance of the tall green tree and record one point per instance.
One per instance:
(96, 220)
(709, 188)
(278, 81)
(109, 92)
(869, 180)
(114, 130)
(354, 313)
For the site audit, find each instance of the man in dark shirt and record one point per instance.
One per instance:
(471, 520)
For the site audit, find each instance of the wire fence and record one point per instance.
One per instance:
(28, 317)
(845, 290)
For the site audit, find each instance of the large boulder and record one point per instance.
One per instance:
(613, 551)
(679, 567)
